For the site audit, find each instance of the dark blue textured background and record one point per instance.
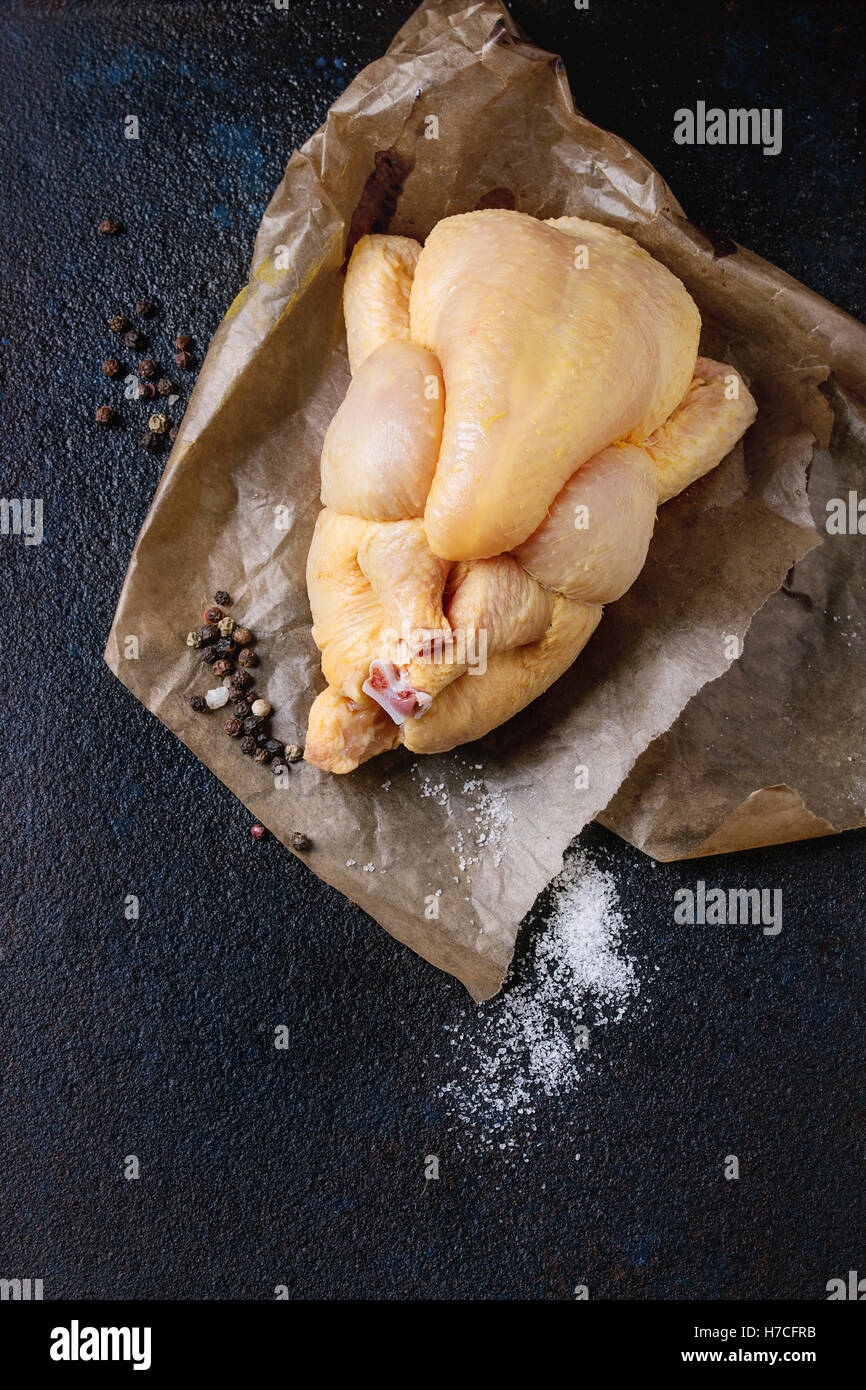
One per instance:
(304, 1167)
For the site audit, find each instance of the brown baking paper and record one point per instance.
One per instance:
(772, 751)
(449, 852)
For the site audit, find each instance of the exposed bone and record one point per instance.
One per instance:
(390, 688)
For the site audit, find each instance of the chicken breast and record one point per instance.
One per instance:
(553, 344)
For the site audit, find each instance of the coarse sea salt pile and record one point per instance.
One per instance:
(530, 1042)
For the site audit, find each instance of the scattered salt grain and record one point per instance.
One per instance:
(487, 809)
(530, 1043)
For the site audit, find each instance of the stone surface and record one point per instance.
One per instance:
(155, 1037)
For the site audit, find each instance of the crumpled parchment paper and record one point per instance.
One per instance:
(656, 721)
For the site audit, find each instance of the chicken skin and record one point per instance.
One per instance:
(524, 396)
(545, 360)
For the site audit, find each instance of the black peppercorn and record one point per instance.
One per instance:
(247, 657)
(243, 637)
(164, 386)
(110, 366)
(209, 656)
(198, 703)
(251, 724)
(144, 391)
(222, 598)
(226, 648)
(104, 414)
(150, 442)
(146, 367)
(274, 747)
(241, 680)
(298, 840)
(144, 308)
(222, 668)
(183, 360)
(208, 633)
(232, 727)
(262, 739)
(248, 746)
(133, 339)
(109, 226)
(117, 323)
(182, 341)
(242, 709)
(261, 755)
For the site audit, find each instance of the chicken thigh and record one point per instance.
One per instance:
(524, 396)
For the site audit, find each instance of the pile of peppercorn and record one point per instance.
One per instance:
(151, 380)
(227, 648)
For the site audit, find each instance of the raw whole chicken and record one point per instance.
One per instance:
(524, 395)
